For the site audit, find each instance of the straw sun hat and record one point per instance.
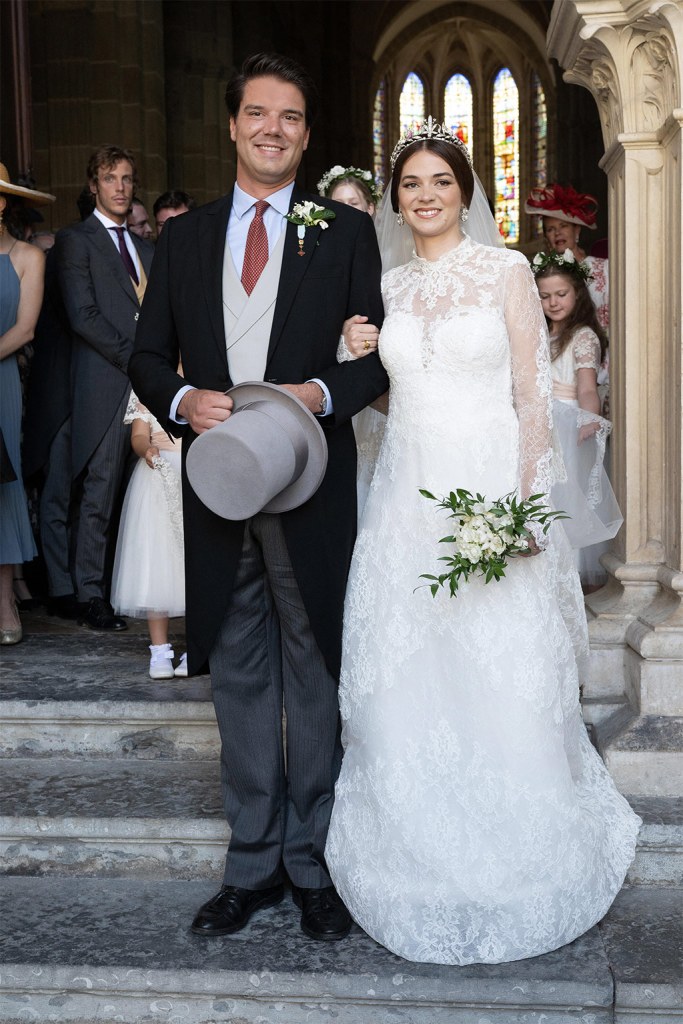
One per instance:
(30, 195)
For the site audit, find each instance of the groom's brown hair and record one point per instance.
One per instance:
(274, 65)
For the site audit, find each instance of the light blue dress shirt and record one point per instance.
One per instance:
(109, 223)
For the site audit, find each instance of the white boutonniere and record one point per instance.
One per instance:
(309, 215)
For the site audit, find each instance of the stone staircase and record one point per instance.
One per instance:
(111, 835)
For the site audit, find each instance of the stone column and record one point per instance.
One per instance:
(629, 54)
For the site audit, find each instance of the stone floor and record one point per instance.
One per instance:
(111, 835)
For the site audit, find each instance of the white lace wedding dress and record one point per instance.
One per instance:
(473, 821)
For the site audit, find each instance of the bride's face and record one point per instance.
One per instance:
(429, 197)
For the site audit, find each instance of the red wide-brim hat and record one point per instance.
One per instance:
(565, 203)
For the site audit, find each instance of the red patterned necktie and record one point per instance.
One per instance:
(256, 251)
(125, 255)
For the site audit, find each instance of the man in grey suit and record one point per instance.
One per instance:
(103, 273)
(265, 596)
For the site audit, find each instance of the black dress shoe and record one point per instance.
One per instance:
(99, 614)
(64, 607)
(323, 915)
(231, 908)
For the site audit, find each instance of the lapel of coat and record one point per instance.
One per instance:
(294, 267)
(145, 252)
(212, 229)
(107, 246)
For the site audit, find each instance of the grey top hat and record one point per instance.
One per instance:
(270, 455)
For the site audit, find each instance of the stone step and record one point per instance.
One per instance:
(644, 755)
(93, 950)
(63, 697)
(147, 819)
(164, 819)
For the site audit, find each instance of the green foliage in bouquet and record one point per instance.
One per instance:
(486, 534)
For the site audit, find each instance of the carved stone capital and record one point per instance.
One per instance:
(627, 53)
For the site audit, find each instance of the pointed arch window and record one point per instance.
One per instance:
(412, 102)
(379, 139)
(506, 153)
(458, 108)
(539, 121)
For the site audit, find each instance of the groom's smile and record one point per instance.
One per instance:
(270, 133)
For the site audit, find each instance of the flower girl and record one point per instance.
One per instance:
(149, 571)
(577, 347)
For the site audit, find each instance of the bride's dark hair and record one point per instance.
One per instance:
(456, 160)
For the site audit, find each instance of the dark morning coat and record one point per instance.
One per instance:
(103, 309)
(182, 316)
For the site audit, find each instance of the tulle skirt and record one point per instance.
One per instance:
(586, 495)
(149, 568)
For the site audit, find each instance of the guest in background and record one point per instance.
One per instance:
(577, 347)
(171, 204)
(149, 570)
(22, 269)
(137, 220)
(103, 273)
(43, 240)
(357, 188)
(352, 186)
(564, 211)
(47, 436)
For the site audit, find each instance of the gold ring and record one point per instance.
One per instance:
(366, 345)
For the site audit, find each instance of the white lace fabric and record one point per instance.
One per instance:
(473, 821)
(158, 437)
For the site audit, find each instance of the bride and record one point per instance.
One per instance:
(473, 820)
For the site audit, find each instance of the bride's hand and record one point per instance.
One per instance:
(360, 337)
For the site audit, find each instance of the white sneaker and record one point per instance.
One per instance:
(161, 662)
(182, 666)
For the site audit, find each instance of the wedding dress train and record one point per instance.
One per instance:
(473, 820)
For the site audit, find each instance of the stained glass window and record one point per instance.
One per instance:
(539, 121)
(458, 108)
(379, 134)
(412, 102)
(506, 154)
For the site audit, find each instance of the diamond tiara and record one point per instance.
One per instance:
(429, 129)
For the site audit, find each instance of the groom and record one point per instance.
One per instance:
(236, 297)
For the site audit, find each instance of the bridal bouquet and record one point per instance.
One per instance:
(486, 534)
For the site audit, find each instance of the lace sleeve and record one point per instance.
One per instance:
(343, 354)
(531, 380)
(586, 349)
(135, 410)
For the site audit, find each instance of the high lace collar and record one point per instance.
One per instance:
(454, 255)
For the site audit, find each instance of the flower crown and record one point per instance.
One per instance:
(429, 129)
(337, 173)
(563, 261)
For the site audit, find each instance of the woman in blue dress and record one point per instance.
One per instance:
(22, 269)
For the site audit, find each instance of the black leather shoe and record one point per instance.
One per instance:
(323, 915)
(231, 908)
(64, 607)
(99, 614)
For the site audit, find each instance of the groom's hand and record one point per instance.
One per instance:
(204, 409)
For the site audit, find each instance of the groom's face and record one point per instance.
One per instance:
(270, 134)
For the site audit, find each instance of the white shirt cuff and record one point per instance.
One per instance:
(173, 414)
(326, 391)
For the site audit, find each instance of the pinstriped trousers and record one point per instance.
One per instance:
(277, 793)
(98, 487)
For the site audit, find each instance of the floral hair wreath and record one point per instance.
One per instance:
(563, 261)
(337, 173)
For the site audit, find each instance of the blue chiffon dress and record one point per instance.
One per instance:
(16, 538)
